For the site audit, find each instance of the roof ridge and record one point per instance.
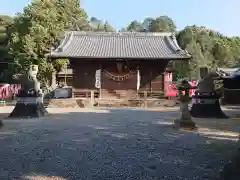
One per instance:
(63, 42)
(142, 34)
(66, 41)
(174, 45)
(133, 45)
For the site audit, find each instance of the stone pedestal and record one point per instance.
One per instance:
(28, 107)
(206, 105)
(185, 120)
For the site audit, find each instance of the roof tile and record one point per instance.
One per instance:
(120, 45)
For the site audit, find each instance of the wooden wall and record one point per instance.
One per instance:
(130, 83)
(151, 73)
(84, 73)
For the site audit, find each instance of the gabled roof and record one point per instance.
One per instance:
(130, 45)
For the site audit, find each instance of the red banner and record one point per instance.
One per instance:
(7, 90)
(167, 81)
(171, 90)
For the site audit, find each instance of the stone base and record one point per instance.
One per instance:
(28, 108)
(188, 124)
(213, 110)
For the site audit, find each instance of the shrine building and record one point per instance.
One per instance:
(118, 64)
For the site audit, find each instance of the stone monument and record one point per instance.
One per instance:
(185, 120)
(30, 98)
(206, 100)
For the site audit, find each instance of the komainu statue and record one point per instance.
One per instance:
(30, 98)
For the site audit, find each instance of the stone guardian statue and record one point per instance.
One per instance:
(30, 98)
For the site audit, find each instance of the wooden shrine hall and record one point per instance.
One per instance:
(118, 64)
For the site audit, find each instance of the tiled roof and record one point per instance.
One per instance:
(129, 45)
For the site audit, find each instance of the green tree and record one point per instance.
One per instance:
(159, 24)
(147, 24)
(98, 25)
(37, 29)
(208, 48)
(5, 58)
(134, 26)
(108, 27)
(61, 65)
(81, 24)
(163, 24)
(213, 49)
(197, 59)
(222, 53)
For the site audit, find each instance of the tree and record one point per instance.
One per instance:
(108, 27)
(100, 26)
(222, 53)
(123, 30)
(214, 50)
(61, 65)
(134, 26)
(5, 58)
(159, 24)
(5, 23)
(163, 24)
(81, 24)
(197, 59)
(147, 24)
(37, 29)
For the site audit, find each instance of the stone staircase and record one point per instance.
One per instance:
(68, 103)
(61, 103)
(118, 94)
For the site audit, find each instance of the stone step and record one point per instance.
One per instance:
(118, 94)
(61, 103)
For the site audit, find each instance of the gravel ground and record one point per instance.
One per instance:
(109, 144)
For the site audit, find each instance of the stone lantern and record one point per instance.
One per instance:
(184, 99)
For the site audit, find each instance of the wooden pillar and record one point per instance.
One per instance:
(145, 98)
(54, 81)
(92, 98)
(150, 85)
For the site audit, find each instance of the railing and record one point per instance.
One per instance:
(85, 93)
(151, 94)
(139, 94)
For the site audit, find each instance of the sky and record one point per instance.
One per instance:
(220, 15)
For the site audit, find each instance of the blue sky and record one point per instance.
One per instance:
(221, 15)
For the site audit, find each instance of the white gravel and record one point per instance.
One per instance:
(118, 144)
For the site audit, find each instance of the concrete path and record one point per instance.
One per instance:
(118, 144)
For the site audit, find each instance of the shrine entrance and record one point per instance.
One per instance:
(119, 75)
